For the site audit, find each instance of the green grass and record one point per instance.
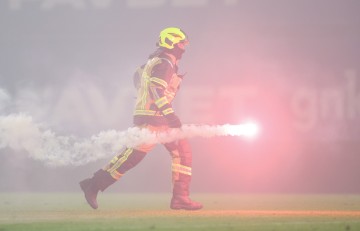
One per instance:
(68, 212)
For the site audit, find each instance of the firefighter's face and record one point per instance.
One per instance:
(178, 50)
(183, 44)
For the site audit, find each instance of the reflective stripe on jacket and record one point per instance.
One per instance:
(157, 85)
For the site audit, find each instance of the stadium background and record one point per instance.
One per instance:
(291, 65)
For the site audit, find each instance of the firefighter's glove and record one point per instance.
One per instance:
(173, 120)
(167, 110)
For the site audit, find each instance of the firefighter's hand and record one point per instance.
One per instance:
(173, 120)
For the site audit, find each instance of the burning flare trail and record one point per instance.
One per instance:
(20, 132)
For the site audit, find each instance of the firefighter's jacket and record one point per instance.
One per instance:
(157, 83)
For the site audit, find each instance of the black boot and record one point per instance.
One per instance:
(91, 186)
(181, 200)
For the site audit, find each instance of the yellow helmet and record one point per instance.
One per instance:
(171, 36)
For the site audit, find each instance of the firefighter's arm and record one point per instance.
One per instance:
(158, 87)
(167, 110)
(165, 107)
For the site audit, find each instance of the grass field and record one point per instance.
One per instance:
(68, 212)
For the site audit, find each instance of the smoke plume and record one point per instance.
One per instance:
(20, 132)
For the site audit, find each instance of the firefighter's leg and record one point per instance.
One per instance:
(128, 159)
(181, 175)
(112, 172)
(91, 186)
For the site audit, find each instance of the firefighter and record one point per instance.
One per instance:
(157, 83)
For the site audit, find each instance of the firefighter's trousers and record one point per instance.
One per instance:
(180, 152)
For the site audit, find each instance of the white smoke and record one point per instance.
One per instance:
(20, 132)
(4, 99)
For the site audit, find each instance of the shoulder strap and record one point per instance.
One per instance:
(171, 64)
